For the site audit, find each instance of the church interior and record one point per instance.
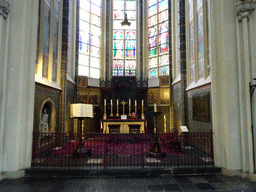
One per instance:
(135, 67)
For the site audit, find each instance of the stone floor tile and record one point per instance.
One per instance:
(204, 186)
(171, 187)
(239, 186)
(219, 186)
(167, 180)
(188, 187)
(252, 185)
(182, 179)
(212, 179)
(155, 188)
(152, 181)
(197, 179)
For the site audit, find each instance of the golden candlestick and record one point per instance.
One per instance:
(117, 108)
(136, 107)
(105, 111)
(142, 110)
(111, 108)
(123, 103)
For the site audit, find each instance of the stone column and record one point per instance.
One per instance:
(227, 148)
(19, 86)
(244, 9)
(4, 22)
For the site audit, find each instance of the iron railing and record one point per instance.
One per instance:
(122, 150)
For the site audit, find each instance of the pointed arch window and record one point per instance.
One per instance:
(89, 38)
(158, 38)
(124, 40)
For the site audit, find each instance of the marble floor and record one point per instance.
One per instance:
(123, 184)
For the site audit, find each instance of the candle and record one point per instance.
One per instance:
(105, 102)
(142, 102)
(155, 110)
(117, 102)
(129, 102)
(135, 102)
(111, 102)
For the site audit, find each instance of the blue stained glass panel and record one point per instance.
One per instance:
(163, 5)
(164, 70)
(152, 10)
(151, 2)
(84, 48)
(130, 44)
(153, 73)
(84, 37)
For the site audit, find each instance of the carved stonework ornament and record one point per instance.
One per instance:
(244, 9)
(4, 8)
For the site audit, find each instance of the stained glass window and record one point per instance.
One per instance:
(55, 39)
(89, 38)
(47, 16)
(208, 36)
(124, 40)
(158, 38)
(200, 38)
(191, 41)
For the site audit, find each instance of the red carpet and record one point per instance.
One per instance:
(99, 148)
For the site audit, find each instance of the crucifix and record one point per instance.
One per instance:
(123, 103)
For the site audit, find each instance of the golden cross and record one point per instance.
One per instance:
(123, 103)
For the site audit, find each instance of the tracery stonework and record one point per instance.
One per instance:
(244, 8)
(4, 8)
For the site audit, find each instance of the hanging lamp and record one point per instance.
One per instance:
(125, 23)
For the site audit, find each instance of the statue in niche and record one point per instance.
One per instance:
(44, 126)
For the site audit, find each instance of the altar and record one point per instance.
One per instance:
(124, 126)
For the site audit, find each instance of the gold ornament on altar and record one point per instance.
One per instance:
(123, 103)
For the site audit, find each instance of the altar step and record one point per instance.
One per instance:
(120, 172)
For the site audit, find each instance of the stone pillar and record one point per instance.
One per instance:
(4, 22)
(244, 9)
(227, 148)
(18, 94)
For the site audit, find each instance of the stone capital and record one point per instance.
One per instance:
(244, 8)
(4, 8)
